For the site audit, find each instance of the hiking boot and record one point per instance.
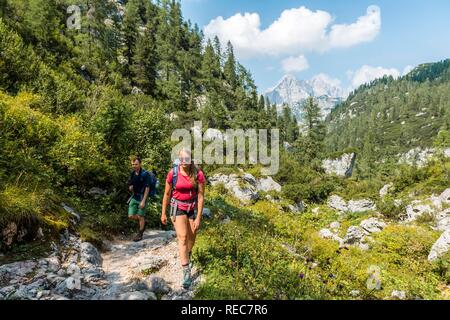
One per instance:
(138, 236)
(186, 277)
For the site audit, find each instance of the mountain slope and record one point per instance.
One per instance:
(388, 116)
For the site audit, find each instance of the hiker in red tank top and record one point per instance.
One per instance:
(186, 206)
(184, 190)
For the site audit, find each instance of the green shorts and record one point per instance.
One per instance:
(133, 208)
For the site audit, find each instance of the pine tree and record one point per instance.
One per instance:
(144, 61)
(230, 67)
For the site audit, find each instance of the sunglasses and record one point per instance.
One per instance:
(185, 159)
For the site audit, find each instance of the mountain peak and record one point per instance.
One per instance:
(294, 92)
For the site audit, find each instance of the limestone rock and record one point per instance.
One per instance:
(336, 202)
(372, 225)
(361, 205)
(342, 166)
(440, 247)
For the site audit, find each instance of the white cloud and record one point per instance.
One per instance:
(295, 64)
(296, 31)
(366, 74)
(407, 70)
(365, 29)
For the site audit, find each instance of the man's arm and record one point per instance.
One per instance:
(144, 199)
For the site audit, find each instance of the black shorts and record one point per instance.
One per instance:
(190, 214)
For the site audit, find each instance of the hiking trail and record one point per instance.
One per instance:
(146, 270)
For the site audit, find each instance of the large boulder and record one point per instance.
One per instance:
(241, 188)
(372, 225)
(445, 196)
(268, 184)
(342, 166)
(354, 235)
(337, 203)
(89, 255)
(440, 247)
(361, 205)
(443, 222)
(416, 209)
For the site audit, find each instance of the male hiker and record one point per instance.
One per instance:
(140, 182)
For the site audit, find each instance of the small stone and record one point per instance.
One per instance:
(354, 293)
(335, 225)
(401, 295)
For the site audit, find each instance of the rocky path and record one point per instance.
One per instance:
(145, 270)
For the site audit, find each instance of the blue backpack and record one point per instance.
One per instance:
(153, 184)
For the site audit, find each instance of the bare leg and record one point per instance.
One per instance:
(191, 235)
(141, 223)
(181, 228)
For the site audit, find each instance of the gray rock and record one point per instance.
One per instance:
(327, 234)
(53, 264)
(267, 184)
(396, 294)
(93, 275)
(137, 295)
(240, 188)
(6, 291)
(372, 225)
(342, 166)
(354, 293)
(385, 190)
(297, 207)
(250, 179)
(136, 91)
(416, 210)
(354, 235)
(148, 262)
(443, 224)
(20, 294)
(445, 196)
(39, 283)
(157, 285)
(18, 269)
(335, 225)
(226, 220)
(42, 293)
(90, 255)
(440, 247)
(71, 211)
(73, 269)
(337, 203)
(206, 212)
(361, 205)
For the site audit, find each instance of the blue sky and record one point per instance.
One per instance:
(371, 37)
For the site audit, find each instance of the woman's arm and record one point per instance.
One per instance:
(165, 202)
(200, 201)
